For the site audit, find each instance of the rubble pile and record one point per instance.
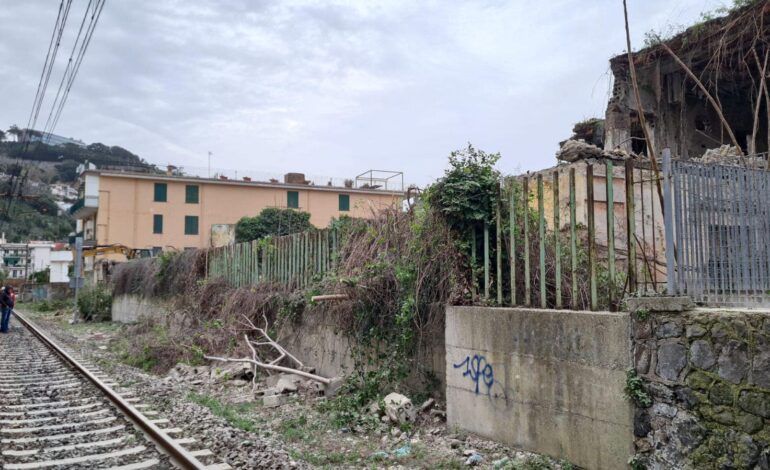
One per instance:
(729, 155)
(578, 150)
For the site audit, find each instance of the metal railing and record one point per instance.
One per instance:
(580, 236)
(291, 259)
(718, 218)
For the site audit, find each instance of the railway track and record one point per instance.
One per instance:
(57, 412)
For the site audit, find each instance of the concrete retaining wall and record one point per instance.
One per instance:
(128, 308)
(318, 342)
(543, 380)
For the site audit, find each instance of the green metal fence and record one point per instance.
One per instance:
(291, 259)
(579, 247)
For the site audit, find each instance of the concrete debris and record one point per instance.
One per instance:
(271, 401)
(234, 371)
(184, 372)
(285, 385)
(474, 459)
(427, 405)
(578, 150)
(399, 408)
(730, 156)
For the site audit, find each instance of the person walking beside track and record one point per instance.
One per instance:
(7, 300)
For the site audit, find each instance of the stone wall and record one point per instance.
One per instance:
(548, 381)
(708, 373)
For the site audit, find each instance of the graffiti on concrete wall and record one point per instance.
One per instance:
(479, 371)
(482, 375)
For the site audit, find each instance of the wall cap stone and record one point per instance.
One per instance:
(659, 304)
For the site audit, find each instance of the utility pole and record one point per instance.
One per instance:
(209, 163)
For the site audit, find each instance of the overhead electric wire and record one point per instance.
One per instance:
(45, 64)
(47, 72)
(65, 75)
(97, 11)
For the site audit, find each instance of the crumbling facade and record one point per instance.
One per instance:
(728, 58)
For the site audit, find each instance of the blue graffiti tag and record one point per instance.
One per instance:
(478, 370)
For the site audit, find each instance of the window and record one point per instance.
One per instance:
(292, 199)
(191, 225)
(157, 223)
(191, 194)
(344, 202)
(161, 191)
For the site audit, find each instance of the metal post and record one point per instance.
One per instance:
(610, 193)
(498, 249)
(630, 226)
(486, 260)
(591, 234)
(556, 240)
(573, 240)
(541, 238)
(525, 205)
(512, 253)
(668, 221)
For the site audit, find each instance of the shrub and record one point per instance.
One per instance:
(272, 222)
(95, 303)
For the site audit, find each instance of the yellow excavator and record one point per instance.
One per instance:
(101, 250)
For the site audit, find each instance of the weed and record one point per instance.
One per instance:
(642, 314)
(235, 415)
(635, 389)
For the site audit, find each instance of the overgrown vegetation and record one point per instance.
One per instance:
(236, 415)
(272, 221)
(95, 303)
(636, 391)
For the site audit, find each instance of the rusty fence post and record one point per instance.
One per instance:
(591, 234)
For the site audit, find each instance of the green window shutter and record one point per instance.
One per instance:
(292, 199)
(344, 202)
(191, 194)
(191, 225)
(161, 191)
(157, 223)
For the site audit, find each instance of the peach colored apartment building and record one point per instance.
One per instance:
(156, 212)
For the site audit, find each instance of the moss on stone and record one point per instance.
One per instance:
(699, 381)
(722, 394)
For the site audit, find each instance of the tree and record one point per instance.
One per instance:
(272, 222)
(467, 193)
(15, 131)
(2, 135)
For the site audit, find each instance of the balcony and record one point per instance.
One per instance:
(84, 207)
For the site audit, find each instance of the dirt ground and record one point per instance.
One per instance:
(301, 428)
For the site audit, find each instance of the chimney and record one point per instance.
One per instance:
(294, 178)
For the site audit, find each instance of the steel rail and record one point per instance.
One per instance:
(178, 455)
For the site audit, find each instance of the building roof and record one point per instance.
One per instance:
(230, 182)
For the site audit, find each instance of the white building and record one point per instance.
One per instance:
(15, 259)
(60, 263)
(62, 191)
(39, 255)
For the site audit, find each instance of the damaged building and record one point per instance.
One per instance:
(728, 61)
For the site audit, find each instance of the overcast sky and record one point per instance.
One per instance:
(330, 87)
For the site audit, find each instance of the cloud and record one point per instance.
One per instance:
(331, 88)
